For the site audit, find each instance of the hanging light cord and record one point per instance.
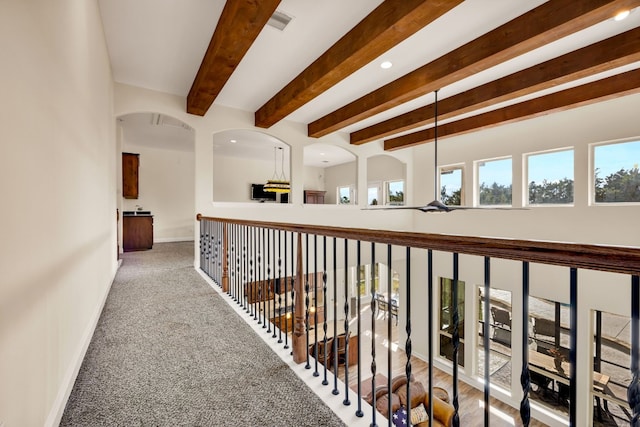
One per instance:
(284, 177)
(275, 163)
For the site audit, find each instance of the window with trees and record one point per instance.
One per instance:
(550, 178)
(616, 176)
(373, 194)
(395, 192)
(346, 195)
(451, 179)
(495, 182)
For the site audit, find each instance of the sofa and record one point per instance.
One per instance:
(442, 411)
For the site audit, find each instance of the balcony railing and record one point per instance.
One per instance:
(302, 283)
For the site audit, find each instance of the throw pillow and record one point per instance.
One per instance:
(382, 404)
(419, 414)
(400, 417)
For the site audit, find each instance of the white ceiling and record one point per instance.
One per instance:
(157, 131)
(159, 44)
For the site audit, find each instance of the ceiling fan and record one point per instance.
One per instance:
(436, 205)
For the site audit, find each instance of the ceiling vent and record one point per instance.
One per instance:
(279, 20)
(162, 120)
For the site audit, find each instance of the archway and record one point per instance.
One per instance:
(244, 161)
(164, 146)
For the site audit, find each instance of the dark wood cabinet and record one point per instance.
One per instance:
(137, 233)
(130, 166)
(314, 197)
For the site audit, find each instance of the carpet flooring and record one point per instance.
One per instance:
(169, 351)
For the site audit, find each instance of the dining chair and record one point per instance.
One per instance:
(322, 355)
(341, 348)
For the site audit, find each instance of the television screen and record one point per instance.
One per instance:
(258, 193)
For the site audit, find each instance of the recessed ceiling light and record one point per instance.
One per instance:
(322, 154)
(386, 65)
(233, 141)
(621, 15)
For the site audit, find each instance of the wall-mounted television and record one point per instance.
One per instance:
(258, 193)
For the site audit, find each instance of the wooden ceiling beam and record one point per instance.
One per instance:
(551, 21)
(389, 24)
(605, 55)
(589, 93)
(238, 26)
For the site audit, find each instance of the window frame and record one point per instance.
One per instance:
(479, 163)
(525, 181)
(352, 194)
(451, 169)
(592, 172)
(378, 186)
(387, 193)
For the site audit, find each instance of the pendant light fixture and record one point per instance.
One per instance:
(278, 183)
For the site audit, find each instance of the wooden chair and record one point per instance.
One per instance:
(501, 317)
(322, 357)
(382, 304)
(545, 327)
(394, 310)
(341, 348)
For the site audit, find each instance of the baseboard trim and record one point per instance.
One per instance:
(69, 379)
(173, 239)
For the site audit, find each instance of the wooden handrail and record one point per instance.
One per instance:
(616, 259)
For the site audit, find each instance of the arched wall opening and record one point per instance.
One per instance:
(165, 147)
(244, 160)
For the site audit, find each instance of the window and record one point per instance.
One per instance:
(346, 195)
(394, 192)
(451, 186)
(499, 336)
(549, 365)
(550, 178)
(368, 280)
(373, 194)
(612, 358)
(446, 319)
(616, 175)
(494, 178)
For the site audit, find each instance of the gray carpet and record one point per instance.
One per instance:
(169, 351)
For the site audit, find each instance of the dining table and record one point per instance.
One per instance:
(559, 370)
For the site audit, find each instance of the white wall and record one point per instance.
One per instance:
(167, 189)
(231, 186)
(314, 178)
(59, 189)
(341, 175)
(385, 168)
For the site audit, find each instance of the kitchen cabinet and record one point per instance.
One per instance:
(130, 166)
(137, 232)
(315, 197)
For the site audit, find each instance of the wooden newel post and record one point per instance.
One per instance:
(225, 258)
(299, 328)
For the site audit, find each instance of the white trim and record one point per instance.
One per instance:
(69, 379)
(174, 239)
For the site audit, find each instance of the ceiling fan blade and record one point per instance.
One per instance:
(438, 206)
(394, 208)
(486, 208)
